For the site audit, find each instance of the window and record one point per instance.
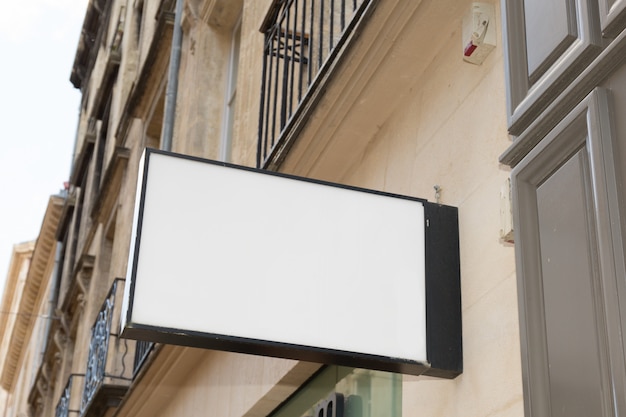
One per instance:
(231, 94)
(346, 392)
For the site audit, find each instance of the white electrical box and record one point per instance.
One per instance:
(479, 33)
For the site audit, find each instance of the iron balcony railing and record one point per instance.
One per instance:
(142, 350)
(98, 350)
(110, 361)
(108, 374)
(68, 403)
(63, 406)
(302, 40)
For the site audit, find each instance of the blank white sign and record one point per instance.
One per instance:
(222, 253)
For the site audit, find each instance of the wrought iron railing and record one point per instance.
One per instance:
(63, 406)
(142, 350)
(68, 403)
(302, 39)
(98, 349)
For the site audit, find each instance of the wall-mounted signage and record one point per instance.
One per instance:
(238, 259)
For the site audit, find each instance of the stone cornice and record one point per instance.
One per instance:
(20, 260)
(32, 293)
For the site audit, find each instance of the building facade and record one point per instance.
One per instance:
(18, 270)
(28, 311)
(366, 93)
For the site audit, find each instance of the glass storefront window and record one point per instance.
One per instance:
(346, 392)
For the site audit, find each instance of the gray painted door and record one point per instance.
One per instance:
(569, 263)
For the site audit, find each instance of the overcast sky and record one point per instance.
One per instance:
(38, 112)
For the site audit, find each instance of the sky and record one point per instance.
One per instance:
(38, 112)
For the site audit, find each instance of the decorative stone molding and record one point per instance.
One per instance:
(190, 15)
(221, 13)
(32, 294)
(60, 340)
(72, 300)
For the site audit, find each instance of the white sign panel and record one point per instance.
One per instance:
(233, 258)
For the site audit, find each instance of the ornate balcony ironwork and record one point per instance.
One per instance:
(98, 349)
(63, 407)
(302, 41)
(68, 403)
(107, 376)
(142, 350)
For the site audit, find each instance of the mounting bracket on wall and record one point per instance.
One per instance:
(479, 33)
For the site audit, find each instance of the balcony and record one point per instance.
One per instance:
(109, 365)
(142, 351)
(69, 402)
(303, 41)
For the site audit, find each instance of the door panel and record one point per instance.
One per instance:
(566, 206)
(548, 43)
(550, 30)
(569, 272)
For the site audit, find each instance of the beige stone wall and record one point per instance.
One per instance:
(202, 86)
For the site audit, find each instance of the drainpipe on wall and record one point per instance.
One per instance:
(52, 299)
(172, 80)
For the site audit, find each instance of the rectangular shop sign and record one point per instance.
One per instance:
(239, 259)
